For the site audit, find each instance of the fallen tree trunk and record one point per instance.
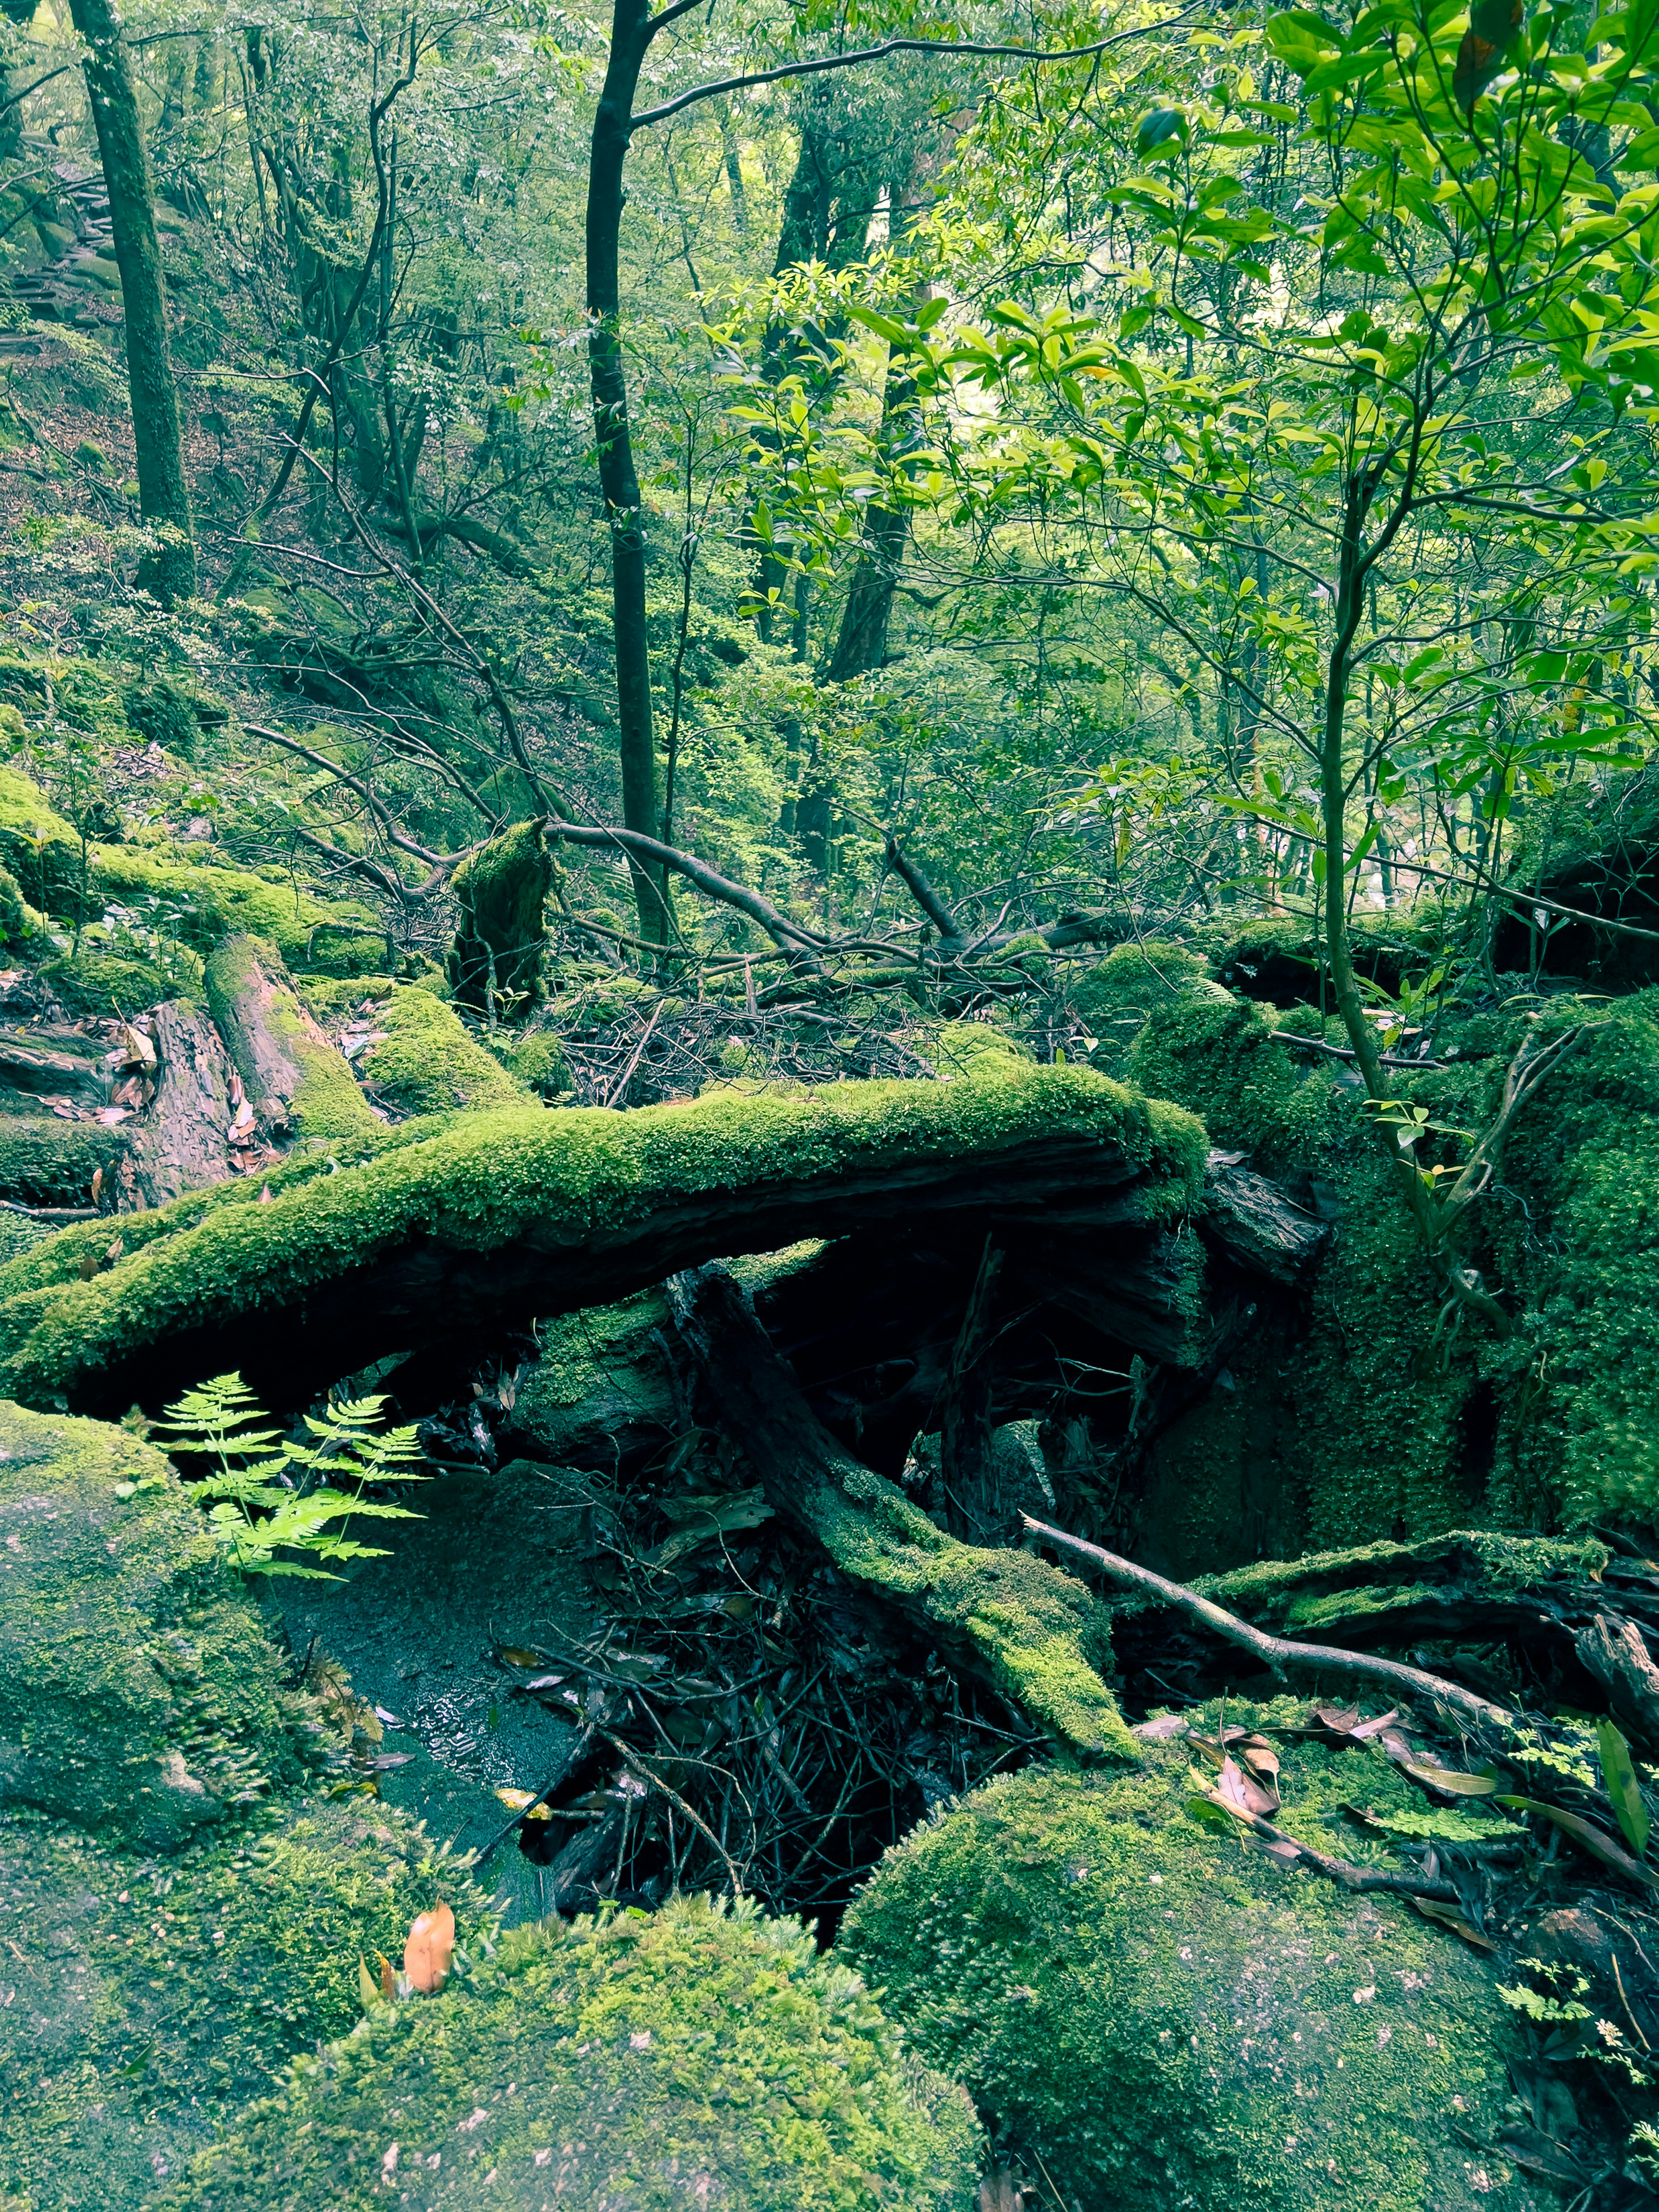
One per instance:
(421, 1241)
(296, 1083)
(1032, 1632)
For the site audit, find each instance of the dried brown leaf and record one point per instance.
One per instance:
(430, 1947)
(1448, 1916)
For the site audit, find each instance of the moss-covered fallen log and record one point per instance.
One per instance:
(1030, 1630)
(374, 1248)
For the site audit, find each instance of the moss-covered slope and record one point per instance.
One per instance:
(695, 2058)
(1169, 2021)
(567, 1209)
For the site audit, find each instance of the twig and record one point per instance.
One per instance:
(1278, 1653)
(1343, 1051)
(1339, 1870)
(624, 1078)
(584, 1736)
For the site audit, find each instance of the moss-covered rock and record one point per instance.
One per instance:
(538, 1061)
(587, 1185)
(429, 1062)
(698, 2057)
(138, 1692)
(188, 894)
(148, 2000)
(1171, 2022)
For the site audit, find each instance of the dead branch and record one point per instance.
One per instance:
(1277, 1653)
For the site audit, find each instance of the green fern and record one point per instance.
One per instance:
(270, 1494)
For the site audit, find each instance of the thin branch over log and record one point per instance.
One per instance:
(1278, 1653)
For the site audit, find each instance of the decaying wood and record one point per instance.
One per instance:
(965, 1453)
(1025, 1639)
(1255, 1224)
(1277, 1653)
(268, 1031)
(1616, 1653)
(182, 1142)
(42, 1067)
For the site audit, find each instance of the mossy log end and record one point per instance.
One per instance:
(1031, 1632)
(296, 1083)
(404, 1239)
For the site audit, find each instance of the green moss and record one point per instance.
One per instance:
(137, 1692)
(979, 1050)
(567, 1179)
(106, 983)
(1475, 1563)
(19, 923)
(538, 1061)
(430, 1061)
(152, 1999)
(330, 996)
(325, 1101)
(182, 892)
(1170, 2021)
(40, 849)
(52, 1163)
(695, 2058)
(500, 937)
(163, 713)
(601, 1385)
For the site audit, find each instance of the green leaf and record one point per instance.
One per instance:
(1596, 1841)
(1165, 127)
(1619, 1773)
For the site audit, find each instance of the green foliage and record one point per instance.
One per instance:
(259, 1508)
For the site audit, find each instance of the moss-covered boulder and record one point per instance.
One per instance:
(428, 1061)
(105, 983)
(696, 2057)
(1169, 2021)
(147, 2001)
(139, 1696)
(47, 1162)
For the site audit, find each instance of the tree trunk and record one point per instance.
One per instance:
(495, 959)
(296, 1083)
(631, 34)
(163, 492)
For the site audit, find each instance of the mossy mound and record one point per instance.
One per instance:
(1171, 2022)
(430, 1062)
(52, 1163)
(152, 1999)
(92, 983)
(538, 1061)
(38, 848)
(696, 2057)
(138, 1693)
(179, 890)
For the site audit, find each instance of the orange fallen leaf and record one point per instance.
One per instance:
(430, 1947)
(388, 1979)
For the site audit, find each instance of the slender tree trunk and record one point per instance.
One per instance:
(163, 492)
(630, 34)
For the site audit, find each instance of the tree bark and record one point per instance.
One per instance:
(183, 1142)
(163, 490)
(631, 33)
